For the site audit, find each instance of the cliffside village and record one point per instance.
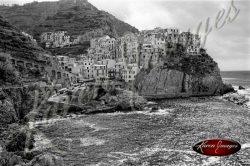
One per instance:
(120, 58)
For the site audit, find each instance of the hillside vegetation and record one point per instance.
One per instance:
(76, 17)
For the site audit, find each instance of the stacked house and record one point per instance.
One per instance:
(57, 39)
(122, 58)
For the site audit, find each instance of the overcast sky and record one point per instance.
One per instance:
(229, 45)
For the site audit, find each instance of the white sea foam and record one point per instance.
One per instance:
(245, 146)
(42, 142)
(151, 103)
(84, 123)
(45, 122)
(48, 122)
(147, 111)
(88, 141)
(211, 161)
(245, 92)
(161, 112)
(229, 78)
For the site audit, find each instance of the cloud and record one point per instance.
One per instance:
(229, 46)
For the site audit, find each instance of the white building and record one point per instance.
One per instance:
(130, 71)
(55, 39)
(88, 71)
(193, 50)
(110, 63)
(150, 54)
(100, 71)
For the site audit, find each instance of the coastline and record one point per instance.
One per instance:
(165, 111)
(44, 133)
(174, 127)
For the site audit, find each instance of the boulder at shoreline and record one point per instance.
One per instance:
(241, 88)
(236, 98)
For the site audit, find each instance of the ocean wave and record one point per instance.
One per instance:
(146, 111)
(49, 122)
(84, 123)
(88, 141)
(41, 142)
(229, 78)
(243, 92)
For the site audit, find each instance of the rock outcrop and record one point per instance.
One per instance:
(181, 76)
(236, 98)
(168, 83)
(85, 101)
(16, 103)
(125, 100)
(241, 88)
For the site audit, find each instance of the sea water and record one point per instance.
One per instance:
(236, 79)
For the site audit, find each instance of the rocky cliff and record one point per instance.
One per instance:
(181, 76)
(17, 106)
(22, 60)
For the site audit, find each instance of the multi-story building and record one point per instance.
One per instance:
(193, 50)
(171, 35)
(88, 36)
(130, 71)
(102, 48)
(122, 58)
(55, 39)
(88, 68)
(100, 71)
(190, 41)
(150, 55)
(110, 63)
(127, 48)
(72, 66)
(103, 42)
(119, 67)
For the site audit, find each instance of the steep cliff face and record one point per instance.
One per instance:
(22, 60)
(168, 83)
(187, 76)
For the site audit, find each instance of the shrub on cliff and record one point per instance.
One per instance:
(8, 74)
(199, 65)
(10, 159)
(8, 114)
(19, 140)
